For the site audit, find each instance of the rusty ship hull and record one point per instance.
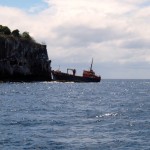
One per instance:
(65, 77)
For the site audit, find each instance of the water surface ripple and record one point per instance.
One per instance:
(111, 115)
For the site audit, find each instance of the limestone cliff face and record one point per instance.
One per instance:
(22, 59)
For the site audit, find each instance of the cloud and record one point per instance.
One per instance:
(137, 43)
(111, 31)
(83, 36)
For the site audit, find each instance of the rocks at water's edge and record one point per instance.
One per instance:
(23, 60)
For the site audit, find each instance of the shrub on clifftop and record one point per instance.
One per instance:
(16, 33)
(4, 30)
(26, 35)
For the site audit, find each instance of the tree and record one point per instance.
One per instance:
(15, 33)
(26, 35)
(5, 30)
(1, 29)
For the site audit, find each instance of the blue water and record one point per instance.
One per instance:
(111, 115)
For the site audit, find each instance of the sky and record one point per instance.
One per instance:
(115, 33)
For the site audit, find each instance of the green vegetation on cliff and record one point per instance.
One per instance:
(5, 31)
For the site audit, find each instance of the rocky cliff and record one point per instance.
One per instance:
(23, 60)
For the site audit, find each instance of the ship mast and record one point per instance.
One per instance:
(91, 65)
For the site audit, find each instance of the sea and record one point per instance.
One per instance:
(110, 115)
